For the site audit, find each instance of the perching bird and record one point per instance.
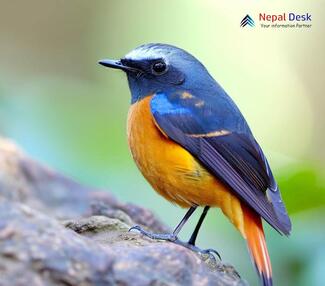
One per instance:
(193, 145)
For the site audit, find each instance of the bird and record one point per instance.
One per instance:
(195, 148)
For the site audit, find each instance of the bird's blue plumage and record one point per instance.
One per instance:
(204, 113)
(211, 128)
(168, 107)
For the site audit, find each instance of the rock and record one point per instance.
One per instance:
(54, 231)
(26, 181)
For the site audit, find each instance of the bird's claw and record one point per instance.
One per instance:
(136, 227)
(173, 238)
(210, 252)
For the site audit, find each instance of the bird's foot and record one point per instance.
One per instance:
(173, 238)
(159, 236)
(210, 252)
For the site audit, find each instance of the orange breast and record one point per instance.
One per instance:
(171, 170)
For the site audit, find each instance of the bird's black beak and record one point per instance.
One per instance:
(117, 64)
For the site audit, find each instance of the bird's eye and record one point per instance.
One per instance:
(159, 68)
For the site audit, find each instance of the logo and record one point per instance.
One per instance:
(282, 20)
(247, 20)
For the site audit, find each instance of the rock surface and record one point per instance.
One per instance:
(54, 231)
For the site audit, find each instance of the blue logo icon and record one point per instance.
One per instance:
(247, 20)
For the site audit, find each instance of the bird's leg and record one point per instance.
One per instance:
(198, 226)
(191, 243)
(173, 236)
(167, 236)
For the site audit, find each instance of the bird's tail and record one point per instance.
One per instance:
(255, 238)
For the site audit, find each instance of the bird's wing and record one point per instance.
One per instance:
(214, 131)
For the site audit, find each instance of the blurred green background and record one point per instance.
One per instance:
(70, 113)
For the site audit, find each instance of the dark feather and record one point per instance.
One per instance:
(236, 159)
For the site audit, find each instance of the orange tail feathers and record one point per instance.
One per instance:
(253, 229)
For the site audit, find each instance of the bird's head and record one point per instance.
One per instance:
(152, 68)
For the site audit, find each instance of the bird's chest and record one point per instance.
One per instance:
(168, 167)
